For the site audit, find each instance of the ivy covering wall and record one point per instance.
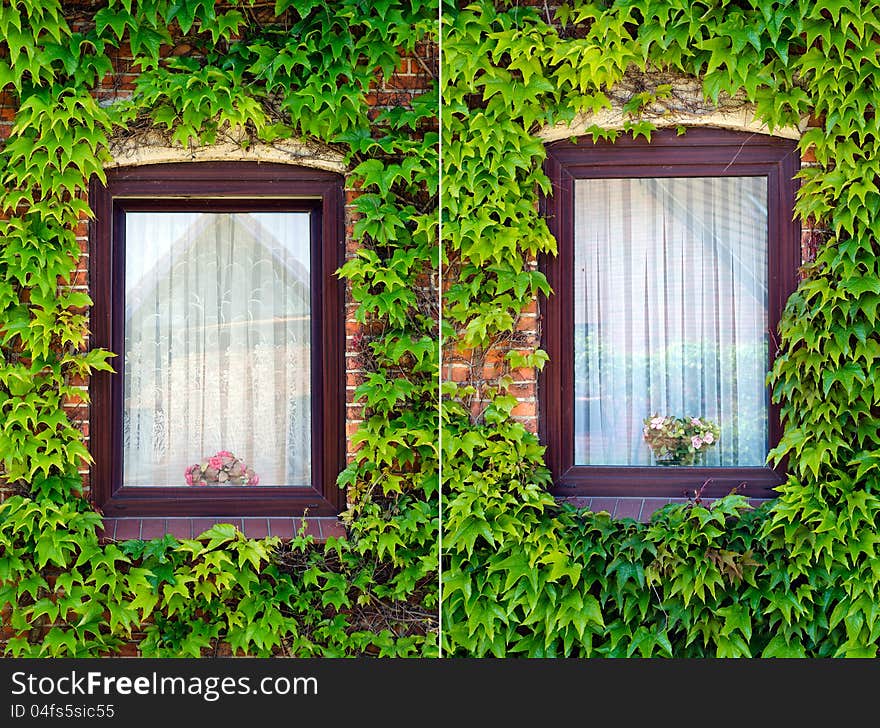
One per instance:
(206, 71)
(523, 575)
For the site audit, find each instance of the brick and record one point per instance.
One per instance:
(529, 324)
(651, 506)
(391, 98)
(200, 525)
(127, 528)
(152, 528)
(495, 356)
(523, 390)
(179, 527)
(525, 409)
(459, 373)
(332, 528)
(75, 380)
(255, 527)
(353, 379)
(281, 527)
(77, 413)
(72, 398)
(577, 502)
(628, 508)
(524, 374)
(312, 527)
(603, 504)
(531, 307)
(351, 428)
(79, 278)
(402, 82)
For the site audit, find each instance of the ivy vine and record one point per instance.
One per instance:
(206, 71)
(522, 575)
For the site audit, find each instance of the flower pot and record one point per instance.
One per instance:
(686, 459)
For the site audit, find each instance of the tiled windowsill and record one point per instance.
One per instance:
(123, 529)
(639, 509)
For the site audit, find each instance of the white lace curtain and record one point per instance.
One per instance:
(670, 314)
(217, 343)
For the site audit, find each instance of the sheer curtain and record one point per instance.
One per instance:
(217, 344)
(670, 314)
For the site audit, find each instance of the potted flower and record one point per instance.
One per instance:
(222, 468)
(679, 440)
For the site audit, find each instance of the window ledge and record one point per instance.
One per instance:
(639, 509)
(123, 529)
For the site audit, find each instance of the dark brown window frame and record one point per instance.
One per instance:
(700, 152)
(219, 186)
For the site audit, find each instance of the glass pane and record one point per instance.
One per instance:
(217, 363)
(670, 315)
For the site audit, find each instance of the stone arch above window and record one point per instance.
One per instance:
(155, 148)
(686, 106)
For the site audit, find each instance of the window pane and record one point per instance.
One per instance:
(217, 344)
(670, 315)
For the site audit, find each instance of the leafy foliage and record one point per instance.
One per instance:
(523, 575)
(207, 71)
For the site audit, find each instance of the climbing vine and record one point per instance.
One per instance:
(203, 72)
(523, 575)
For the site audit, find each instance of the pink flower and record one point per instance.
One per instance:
(696, 421)
(657, 423)
(189, 477)
(224, 454)
(708, 438)
(254, 480)
(216, 462)
(696, 442)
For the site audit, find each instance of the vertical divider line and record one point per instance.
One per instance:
(439, 330)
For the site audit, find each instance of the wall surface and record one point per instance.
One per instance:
(410, 79)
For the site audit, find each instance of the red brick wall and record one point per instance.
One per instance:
(812, 235)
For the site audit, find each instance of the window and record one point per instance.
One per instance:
(215, 285)
(676, 257)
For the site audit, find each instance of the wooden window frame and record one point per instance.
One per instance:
(219, 186)
(701, 152)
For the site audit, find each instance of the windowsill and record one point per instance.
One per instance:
(639, 509)
(123, 529)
